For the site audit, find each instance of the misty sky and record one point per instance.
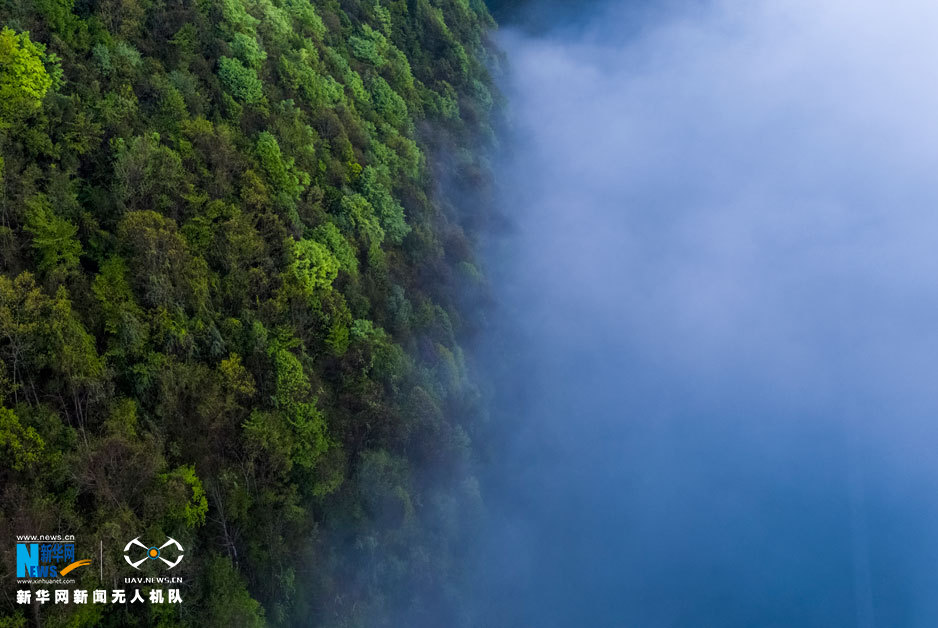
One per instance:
(717, 371)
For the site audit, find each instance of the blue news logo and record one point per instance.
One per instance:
(46, 560)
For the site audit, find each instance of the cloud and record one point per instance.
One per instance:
(722, 290)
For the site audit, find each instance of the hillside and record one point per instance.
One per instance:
(236, 240)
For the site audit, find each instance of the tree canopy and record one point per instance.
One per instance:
(232, 235)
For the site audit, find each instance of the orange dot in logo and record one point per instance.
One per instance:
(153, 552)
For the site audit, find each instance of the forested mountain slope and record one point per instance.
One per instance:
(232, 299)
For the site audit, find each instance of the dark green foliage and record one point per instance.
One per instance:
(54, 240)
(232, 299)
(227, 601)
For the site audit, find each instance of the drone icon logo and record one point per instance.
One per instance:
(153, 553)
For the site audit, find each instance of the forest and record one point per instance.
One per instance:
(239, 273)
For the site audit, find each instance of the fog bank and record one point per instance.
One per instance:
(716, 365)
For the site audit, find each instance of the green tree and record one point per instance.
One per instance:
(248, 50)
(329, 235)
(164, 272)
(375, 188)
(189, 503)
(225, 598)
(149, 175)
(313, 266)
(24, 80)
(53, 238)
(22, 446)
(240, 81)
(286, 181)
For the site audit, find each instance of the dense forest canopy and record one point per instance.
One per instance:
(236, 240)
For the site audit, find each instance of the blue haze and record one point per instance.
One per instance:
(717, 363)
